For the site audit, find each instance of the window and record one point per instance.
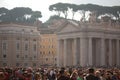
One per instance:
(49, 52)
(40, 52)
(17, 56)
(34, 39)
(4, 64)
(34, 47)
(34, 56)
(18, 46)
(31, 30)
(17, 64)
(4, 38)
(23, 30)
(4, 46)
(52, 52)
(46, 59)
(4, 56)
(34, 64)
(18, 38)
(52, 39)
(30, 58)
(22, 58)
(26, 56)
(43, 52)
(43, 46)
(26, 39)
(52, 46)
(49, 46)
(25, 64)
(55, 59)
(26, 47)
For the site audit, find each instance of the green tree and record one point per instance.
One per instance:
(36, 15)
(19, 14)
(53, 8)
(3, 11)
(60, 8)
(112, 11)
(74, 8)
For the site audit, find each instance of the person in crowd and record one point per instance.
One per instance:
(51, 75)
(80, 75)
(98, 75)
(59, 73)
(74, 75)
(37, 76)
(91, 75)
(62, 75)
(2, 76)
(102, 76)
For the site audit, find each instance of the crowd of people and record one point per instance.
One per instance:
(59, 73)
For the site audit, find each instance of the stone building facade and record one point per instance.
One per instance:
(88, 44)
(19, 45)
(48, 50)
(65, 43)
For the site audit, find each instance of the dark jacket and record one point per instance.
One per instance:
(63, 78)
(91, 77)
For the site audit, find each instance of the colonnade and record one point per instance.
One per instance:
(88, 51)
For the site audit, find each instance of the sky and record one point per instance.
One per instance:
(43, 5)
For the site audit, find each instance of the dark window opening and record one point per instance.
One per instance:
(4, 56)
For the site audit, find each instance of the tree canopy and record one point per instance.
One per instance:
(19, 14)
(113, 11)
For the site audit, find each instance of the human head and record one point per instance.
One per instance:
(91, 70)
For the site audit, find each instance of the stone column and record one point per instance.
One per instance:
(90, 55)
(59, 55)
(79, 52)
(118, 55)
(65, 52)
(110, 53)
(103, 62)
(75, 52)
(83, 52)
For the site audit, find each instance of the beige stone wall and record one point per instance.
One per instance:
(14, 36)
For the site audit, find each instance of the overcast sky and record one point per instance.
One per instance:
(43, 5)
